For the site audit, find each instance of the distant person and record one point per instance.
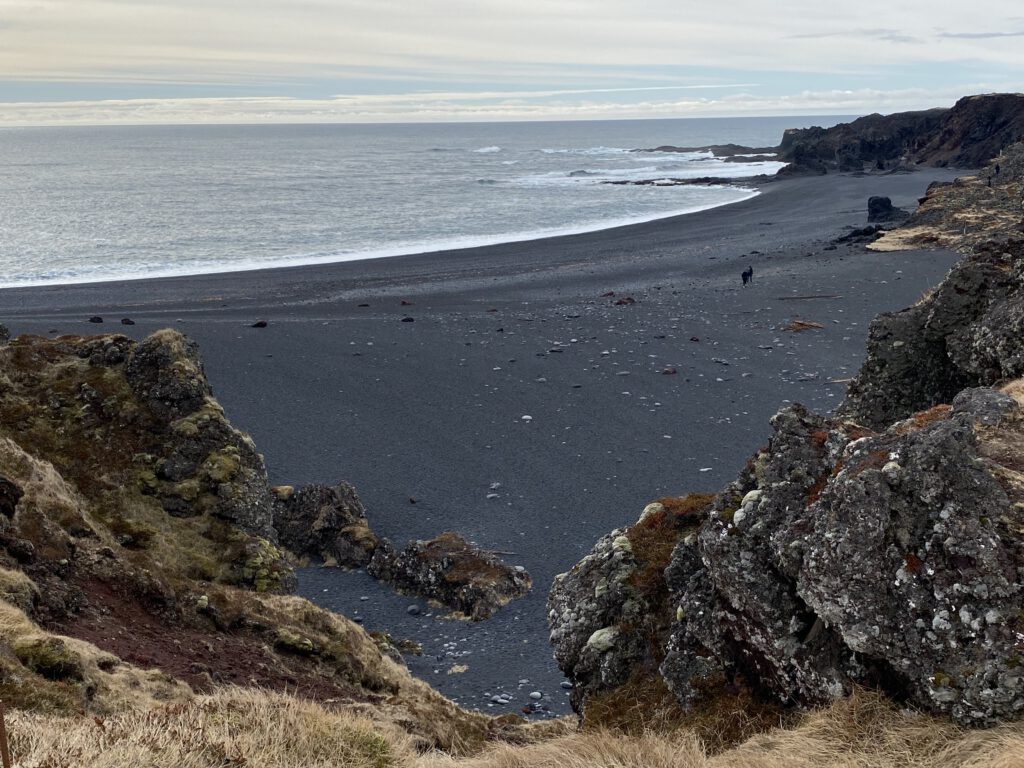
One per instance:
(748, 275)
(997, 169)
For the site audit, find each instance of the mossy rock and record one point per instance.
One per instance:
(50, 658)
(265, 566)
(293, 642)
(222, 466)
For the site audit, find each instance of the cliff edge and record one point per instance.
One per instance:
(882, 547)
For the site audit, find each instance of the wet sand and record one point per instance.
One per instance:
(433, 409)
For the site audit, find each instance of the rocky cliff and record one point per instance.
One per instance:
(139, 557)
(967, 135)
(883, 547)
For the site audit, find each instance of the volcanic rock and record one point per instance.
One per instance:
(838, 557)
(453, 572)
(881, 209)
(327, 522)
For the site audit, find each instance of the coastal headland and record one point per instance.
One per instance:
(531, 396)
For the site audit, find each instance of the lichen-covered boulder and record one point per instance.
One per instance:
(609, 615)
(897, 562)
(915, 558)
(452, 572)
(326, 522)
(840, 556)
(737, 608)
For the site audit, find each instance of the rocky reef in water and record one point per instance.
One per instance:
(882, 547)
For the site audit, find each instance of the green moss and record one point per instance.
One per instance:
(264, 566)
(192, 425)
(373, 747)
(188, 490)
(293, 642)
(50, 658)
(223, 465)
(1013, 662)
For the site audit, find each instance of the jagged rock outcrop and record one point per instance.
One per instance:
(116, 419)
(842, 556)
(875, 142)
(966, 333)
(452, 572)
(881, 210)
(967, 135)
(975, 130)
(617, 597)
(325, 522)
(204, 464)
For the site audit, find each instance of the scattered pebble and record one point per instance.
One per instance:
(527, 418)
(414, 610)
(259, 324)
(95, 319)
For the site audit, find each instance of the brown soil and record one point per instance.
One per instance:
(203, 659)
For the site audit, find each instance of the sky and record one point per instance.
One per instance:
(253, 61)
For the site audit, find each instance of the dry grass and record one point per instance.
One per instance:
(593, 749)
(867, 731)
(259, 729)
(235, 727)
(863, 731)
(91, 676)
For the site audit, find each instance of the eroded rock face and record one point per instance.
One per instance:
(451, 571)
(967, 333)
(610, 615)
(119, 419)
(843, 556)
(206, 466)
(969, 134)
(326, 522)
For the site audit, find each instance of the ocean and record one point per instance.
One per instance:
(108, 203)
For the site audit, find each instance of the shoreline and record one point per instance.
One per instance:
(432, 409)
(421, 249)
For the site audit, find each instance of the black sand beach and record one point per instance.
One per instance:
(433, 409)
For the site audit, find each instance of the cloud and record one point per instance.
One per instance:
(480, 106)
(888, 35)
(979, 35)
(567, 57)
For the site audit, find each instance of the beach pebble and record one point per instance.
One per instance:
(408, 319)
(259, 324)
(414, 610)
(492, 496)
(95, 319)
(536, 695)
(567, 685)
(127, 321)
(527, 418)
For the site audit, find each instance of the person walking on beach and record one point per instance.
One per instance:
(748, 275)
